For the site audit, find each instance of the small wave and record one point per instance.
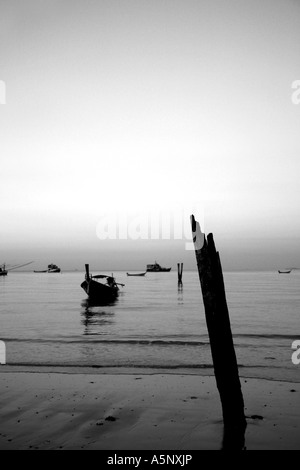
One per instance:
(176, 342)
(109, 341)
(111, 366)
(267, 336)
(120, 365)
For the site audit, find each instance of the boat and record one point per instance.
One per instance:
(52, 268)
(99, 291)
(136, 274)
(156, 268)
(286, 271)
(3, 271)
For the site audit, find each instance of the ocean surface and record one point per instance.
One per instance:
(45, 320)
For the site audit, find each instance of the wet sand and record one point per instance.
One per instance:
(54, 410)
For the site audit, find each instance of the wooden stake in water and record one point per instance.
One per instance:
(179, 270)
(219, 329)
(87, 271)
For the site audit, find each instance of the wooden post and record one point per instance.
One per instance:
(87, 271)
(179, 271)
(219, 329)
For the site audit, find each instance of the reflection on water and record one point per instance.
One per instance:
(180, 293)
(94, 316)
(89, 303)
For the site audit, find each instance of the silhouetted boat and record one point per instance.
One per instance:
(156, 268)
(285, 271)
(3, 271)
(97, 290)
(136, 274)
(52, 268)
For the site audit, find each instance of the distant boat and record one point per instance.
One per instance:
(136, 274)
(156, 268)
(52, 268)
(285, 271)
(96, 290)
(3, 271)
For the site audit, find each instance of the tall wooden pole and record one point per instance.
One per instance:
(179, 271)
(219, 329)
(87, 272)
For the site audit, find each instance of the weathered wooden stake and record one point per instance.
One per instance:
(179, 270)
(87, 271)
(219, 329)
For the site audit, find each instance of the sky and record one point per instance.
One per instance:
(115, 113)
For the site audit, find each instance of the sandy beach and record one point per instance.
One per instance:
(59, 410)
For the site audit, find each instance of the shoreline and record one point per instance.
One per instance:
(136, 411)
(244, 373)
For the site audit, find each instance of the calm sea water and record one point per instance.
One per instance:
(46, 321)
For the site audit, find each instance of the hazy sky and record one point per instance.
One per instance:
(149, 107)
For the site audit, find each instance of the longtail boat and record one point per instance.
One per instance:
(99, 291)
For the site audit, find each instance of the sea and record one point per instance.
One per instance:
(47, 323)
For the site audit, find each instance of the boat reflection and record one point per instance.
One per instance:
(95, 316)
(88, 304)
(180, 293)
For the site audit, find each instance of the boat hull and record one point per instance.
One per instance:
(137, 274)
(97, 291)
(160, 270)
(56, 270)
